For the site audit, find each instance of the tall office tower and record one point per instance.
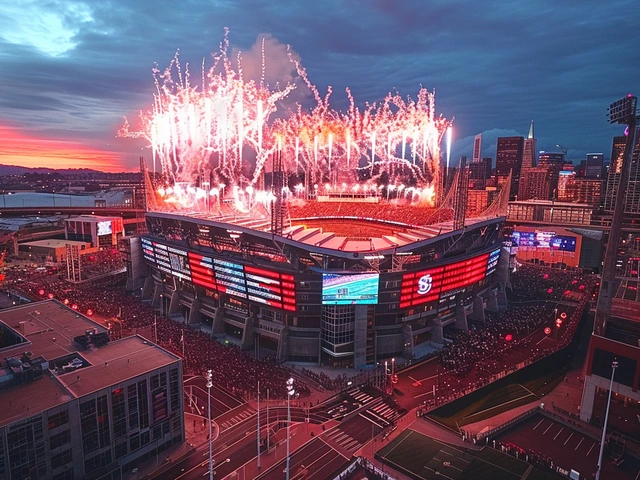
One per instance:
(553, 163)
(477, 148)
(632, 204)
(509, 160)
(489, 164)
(479, 173)
(529, 155)
(595, 161)
(537, 183)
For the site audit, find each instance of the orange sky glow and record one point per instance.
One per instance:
(19, 148)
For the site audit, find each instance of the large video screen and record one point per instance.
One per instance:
(544, 240)
(564, 242)
(104, 228)
(350, 289)
(430, 285)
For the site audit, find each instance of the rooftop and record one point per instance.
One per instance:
(54, 243)
(49, 328)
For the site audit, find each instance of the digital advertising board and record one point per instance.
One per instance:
(545, 240)
(256, 284)
(350, 289)
(104, 228)
(430, 285)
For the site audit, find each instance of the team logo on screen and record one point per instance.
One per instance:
(424, 284)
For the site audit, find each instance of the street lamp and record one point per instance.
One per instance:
(290, 393)
(614, 365)
(209, 377)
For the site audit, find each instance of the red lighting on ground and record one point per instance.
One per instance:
(558, 322)
(581, 287)
(41, 292)
(66, 301)
(547, 330)
(546, 275)
(74, 306)
(573, 282)
(567, 292)
(563, 315)
(550, 290)
(50, 296)
(508, 337)
(89, 312)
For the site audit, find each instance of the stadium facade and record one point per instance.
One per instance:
(319, 296)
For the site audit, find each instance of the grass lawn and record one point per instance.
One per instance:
(424, 458)
(484, 404)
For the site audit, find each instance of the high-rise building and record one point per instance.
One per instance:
(594, 164)
(489, 164)
(529, 155)
(582, 190)
(536, 183)
(632, 204)
(77, 405)
(509, 160)
(479, 173)
(477, 148)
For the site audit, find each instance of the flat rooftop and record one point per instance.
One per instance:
(54, 243)
(49, 328)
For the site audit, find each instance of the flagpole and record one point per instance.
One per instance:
(183, 342)
(155, 328)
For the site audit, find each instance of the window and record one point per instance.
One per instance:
(338, 323)
(305, 285)
(59, 439)
(58, 419)
(174, 387)
(61, 459)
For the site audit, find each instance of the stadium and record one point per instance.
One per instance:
(325, 236)
(337, 290)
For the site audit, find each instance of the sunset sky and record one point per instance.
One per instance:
(71, 69)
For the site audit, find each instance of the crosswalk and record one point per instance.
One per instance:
(239, 416)
(361, 397)
(343, 440)
(381, 415)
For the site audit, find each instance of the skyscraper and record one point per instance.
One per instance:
(529, 155)
(509, 159)
(477, 148)
(632, 204)
(594, 165)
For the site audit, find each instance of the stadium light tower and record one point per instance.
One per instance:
(614, 365)
(623, 112)
(209, 377)
(290, 393)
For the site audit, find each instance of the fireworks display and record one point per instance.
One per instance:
(222, 134)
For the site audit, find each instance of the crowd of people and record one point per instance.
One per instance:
(482, 347)
(531, 282)
(339, 382)
(404, 212)
(100, 263)
(232, 368)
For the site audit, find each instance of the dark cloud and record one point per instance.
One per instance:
(72, 68)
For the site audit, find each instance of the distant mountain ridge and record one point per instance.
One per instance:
(18, 170)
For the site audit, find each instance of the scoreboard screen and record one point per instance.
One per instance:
(430, 285)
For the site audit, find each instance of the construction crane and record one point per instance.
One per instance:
(564, 150)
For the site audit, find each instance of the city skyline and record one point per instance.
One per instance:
(72, 70)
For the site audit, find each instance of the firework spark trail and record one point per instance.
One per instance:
(196, 132)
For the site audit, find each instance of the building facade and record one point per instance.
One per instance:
(509, 156)
(80, 406)
(307, 296)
